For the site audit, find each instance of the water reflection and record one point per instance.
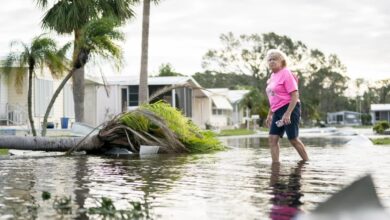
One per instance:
(127, 180)
(15, 197)
(205, 186)
(286, 191)
(81, 191)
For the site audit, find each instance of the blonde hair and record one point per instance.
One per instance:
(279, 53)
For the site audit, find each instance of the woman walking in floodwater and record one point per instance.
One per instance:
(285, 108)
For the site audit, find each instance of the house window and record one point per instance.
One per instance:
(188, 102)
(218, 111)
(339, 118)
(133, 96)
(180, 99)
(377, 116)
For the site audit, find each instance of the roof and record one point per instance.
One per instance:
(342, 112)
(236, 95)
(160, 80)
(219, 98)
(221, 102)
(93, 79)
(380, 107)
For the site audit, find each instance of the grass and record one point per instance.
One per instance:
(264, 129)
(3, 151)
(362, 126)
(381, 141)
(234, 132)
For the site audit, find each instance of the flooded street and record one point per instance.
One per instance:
(239, 183)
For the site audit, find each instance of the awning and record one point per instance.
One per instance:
(380, 107)
(221, 102)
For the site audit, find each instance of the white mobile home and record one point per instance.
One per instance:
(344, 118)
(380, 112)
(13, 101)
(191, 99)
(221, 108)
(235, 97)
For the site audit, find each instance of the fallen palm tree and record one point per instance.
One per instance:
(156, 124)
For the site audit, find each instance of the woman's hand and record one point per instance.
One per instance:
(268, 121)
(286, 118)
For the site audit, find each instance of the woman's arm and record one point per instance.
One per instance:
(268, 121)
(287, 115)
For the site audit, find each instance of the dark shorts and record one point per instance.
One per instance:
(292, 130)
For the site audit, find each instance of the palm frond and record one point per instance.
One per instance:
(66, 16)
(98, 38)
(158, 124)
(118, 9)
(42, 3)
(19, 78)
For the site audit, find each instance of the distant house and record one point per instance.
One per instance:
(235, 97)
(193, 102)
(221, 108)
(344, 118)
(13, 100)
(380, 112)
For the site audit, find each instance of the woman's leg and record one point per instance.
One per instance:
(300, 147)
(273, 141)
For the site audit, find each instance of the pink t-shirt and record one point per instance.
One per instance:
(279, 87)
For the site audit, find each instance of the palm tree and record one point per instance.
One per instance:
(40, 52)
(143, 76)
(154, 124)
(69, 16)
(97, 38)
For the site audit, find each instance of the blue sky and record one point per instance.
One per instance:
(181, 31)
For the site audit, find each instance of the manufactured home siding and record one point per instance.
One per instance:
(90, 101)
(201, 110)
(101, 105)
(3, 89)
(43, 91)
(3, 97)
(17, 96)
(108, 105)
(68, 103)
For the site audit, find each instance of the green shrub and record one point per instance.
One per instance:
(366, 119)
(381, 126)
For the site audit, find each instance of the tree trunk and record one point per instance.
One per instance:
(78, 94)
(29, 100)
(53, 99)
(61, 144)
(143, 79)
(78, 81)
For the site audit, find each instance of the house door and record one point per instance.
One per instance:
(124, 99)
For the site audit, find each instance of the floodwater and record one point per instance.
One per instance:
(239, 183)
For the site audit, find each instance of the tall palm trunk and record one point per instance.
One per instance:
(61, 144)
(143, 81)
(78, 82)
(29, 99)
(78, 94)
(53, 99)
